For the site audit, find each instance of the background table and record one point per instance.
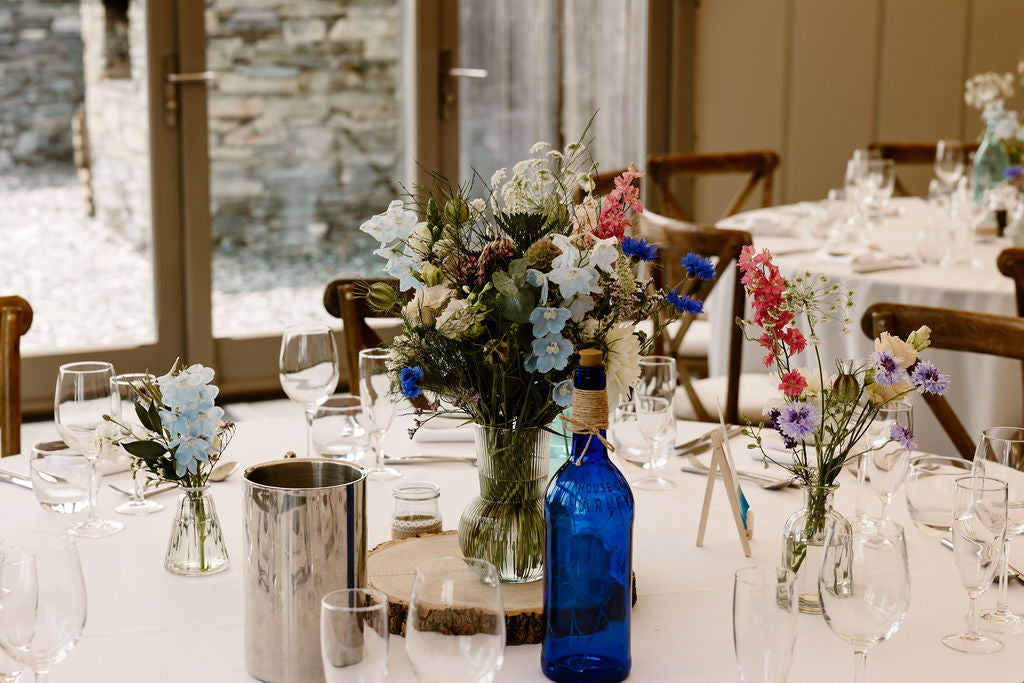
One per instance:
(146, 624)
(985, 391)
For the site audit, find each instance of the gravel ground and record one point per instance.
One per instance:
(89, 288)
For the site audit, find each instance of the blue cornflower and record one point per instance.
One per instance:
(775, 415)
(898, 432)
(550, 353)
(798, 420)
(698, 266)
(410, 379)
(888, 370)
(685, 303)
(1012, 172)
(548, 320)
(562, 393)
(640, 248)
(928, 379)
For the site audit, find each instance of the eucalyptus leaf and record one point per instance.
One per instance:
(518, 308)
(517, 269)
(505, 284)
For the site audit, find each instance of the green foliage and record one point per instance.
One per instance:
(523, 228)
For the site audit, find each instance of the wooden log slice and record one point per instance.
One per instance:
(391, 567)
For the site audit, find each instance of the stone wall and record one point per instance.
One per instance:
(41, 80)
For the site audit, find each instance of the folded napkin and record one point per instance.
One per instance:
(761, 223)
(449, 429)
(869, 263)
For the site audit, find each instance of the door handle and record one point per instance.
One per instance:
(447, 89)
(197, 77)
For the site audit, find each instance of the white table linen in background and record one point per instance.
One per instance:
(985, 391)
(145, 624)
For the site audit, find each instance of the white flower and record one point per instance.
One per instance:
(588, 330)
(985, 88)
(456, 319)
(570, 255)
(420, 242)
(103, 438)
(1006, 126)
(574, 281)
(426, 304)
(814, 382)
(904, 353)
(579, 307)
(604, 254)
(622, 364)
(394, 224)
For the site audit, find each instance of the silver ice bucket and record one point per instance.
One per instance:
(305, 536)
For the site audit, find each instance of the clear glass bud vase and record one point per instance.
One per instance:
(505, 523)
(196, 546)
(803, 542)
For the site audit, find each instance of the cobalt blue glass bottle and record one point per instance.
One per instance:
(588, 514)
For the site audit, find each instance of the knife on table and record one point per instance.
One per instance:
(16, 478)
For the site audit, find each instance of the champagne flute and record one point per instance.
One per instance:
(125, 386)
(354, 635)
(864, 584)
(376, 393)
(888, 460)
(42, 599)
(979, 531)
(659, 377)
(308, 368)
(455, 629)
(999, 454)
(763, 623)
(85, 393)
(949, 162)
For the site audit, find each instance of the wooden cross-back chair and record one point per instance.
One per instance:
(994, 335)
(1010, 263)
(15, 319)
(662, 169)
(911, 154)
(674, 240)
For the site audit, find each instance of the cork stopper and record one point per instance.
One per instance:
(591, 358)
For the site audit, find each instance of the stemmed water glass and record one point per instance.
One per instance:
(888, 460)
(1000, 454)
(979, 531)
(42, 599)
(651, 419)
(376, 393)
(85, 393)
(354, 635)
(308, 368)
(949, 162)
(455, 629)
(659, 377)
(764, 623)
(864, 584)
(125, 386)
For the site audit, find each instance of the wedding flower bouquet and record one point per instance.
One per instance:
(988, 92)
(506, 288)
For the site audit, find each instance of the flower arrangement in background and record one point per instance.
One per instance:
(822, 420)
(988, 93)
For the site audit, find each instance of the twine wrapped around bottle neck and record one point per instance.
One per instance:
(589, 415)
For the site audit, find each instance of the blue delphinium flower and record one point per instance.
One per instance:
(562, 393)
(189, 451)
(888, 371)
(409, 379)
(903, 435)
(550, 353)
(928, 379)
(698, 266)
(548, 320)
(798, 420)
(639, 248)
(685, 303)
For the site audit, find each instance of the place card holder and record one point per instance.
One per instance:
(721, 460)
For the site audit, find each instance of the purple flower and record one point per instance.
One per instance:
(698, 266)
(774, 415)
(898, 432)
(888, 371)
(639, 248)
(798, 420)
(685, 303)
(1012, 172)
(928, 379)
(410, 379)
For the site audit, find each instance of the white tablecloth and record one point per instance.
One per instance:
(985, 391)
(147, 625)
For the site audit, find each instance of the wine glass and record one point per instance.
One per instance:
(864, 584)
(308, 368)
(763, 623)
(931, 488)
(354, 635)
(949, 161)
(376, 393)
(652, 419)
(999, 454)
(979, 531)
(659, 376)
(85, 393)
(123, 385)
(888, 460)
(455, 629)
(42, 599)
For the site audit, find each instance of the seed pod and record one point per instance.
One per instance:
(846, 388)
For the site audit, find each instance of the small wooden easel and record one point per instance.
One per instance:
(721, 459)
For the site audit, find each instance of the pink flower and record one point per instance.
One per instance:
(793, 383)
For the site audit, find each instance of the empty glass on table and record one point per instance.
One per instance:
(354, 635)
(84, 394)
(763, 623)
(126, 385)
(308, 369)
(61, 478)
(888, 458)
(949, 162)
(377, 395)
(338, 430)
(931, 490)
(651, 419)
(659, 377)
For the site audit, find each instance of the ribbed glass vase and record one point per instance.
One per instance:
(505, 523)
(196, 546)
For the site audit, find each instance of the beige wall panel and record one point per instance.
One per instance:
(832, 92)
(739, 92)
(996, 43)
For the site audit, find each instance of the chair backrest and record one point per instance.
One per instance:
(911, 154)
(15, 319)
(675, 239)
(662, 169)
(994, 335)
(1011, 264)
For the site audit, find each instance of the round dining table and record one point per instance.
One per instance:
(145, 624)
(985, 391)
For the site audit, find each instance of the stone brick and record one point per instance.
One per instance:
(302, 31)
